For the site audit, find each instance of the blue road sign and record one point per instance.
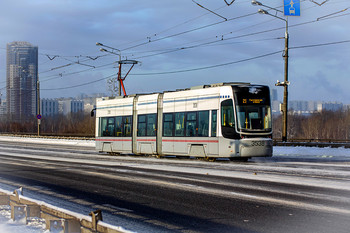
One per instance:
(291, 7)
(38, 116)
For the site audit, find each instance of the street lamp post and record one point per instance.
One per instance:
(285, 56)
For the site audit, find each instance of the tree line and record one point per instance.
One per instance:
(325, 125)
(72, 124)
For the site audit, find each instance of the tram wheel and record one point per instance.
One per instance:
(114, 153)
(210, 159)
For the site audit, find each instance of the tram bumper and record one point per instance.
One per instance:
(254, 147)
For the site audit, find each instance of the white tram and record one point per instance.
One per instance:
(231, 120)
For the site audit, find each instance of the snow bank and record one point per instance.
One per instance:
(7, 225)
(326, 152)
(74, 142)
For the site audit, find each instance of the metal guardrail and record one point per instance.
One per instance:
(315, 140)
(57, 220)
(314, 143)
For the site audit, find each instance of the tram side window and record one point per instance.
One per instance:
(111, 126)
(103, 125)
(141, 125)
(118, 126)
(107, 126)
(191, 124)
(168, 125)
(151, 124)
(179, 124)
(203, 124)
(146, 125)
(127, 124)
(213, 123)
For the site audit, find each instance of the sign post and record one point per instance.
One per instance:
(39, 118)
(291, 7)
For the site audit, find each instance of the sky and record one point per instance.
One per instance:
(179, 44)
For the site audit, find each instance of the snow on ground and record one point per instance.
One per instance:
(7, 225)
(73, 142)
(302, 151)
(277, 151)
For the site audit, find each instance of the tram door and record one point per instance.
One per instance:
(214, 144)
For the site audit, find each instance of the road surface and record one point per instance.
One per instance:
(145, 194)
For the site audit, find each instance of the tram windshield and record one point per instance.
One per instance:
(253, 109)
(252, 117)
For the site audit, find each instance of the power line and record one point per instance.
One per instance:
(234, 37)
(239, 61)
(213, 12)
(229, 4)
(168, 51)
(219, 38)
(88, 58)
(170, 28)
(170, 72)
(210, 67)
(199, 68)
(79, 85)
(318, 45)
(203, 44)
(188, 31)
(76, 72)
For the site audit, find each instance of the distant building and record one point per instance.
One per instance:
(21, 80)
(3, 110)
(276, 107)
(90, 101)
(83, 103)
(88, 107)
(329, 106)
(302, 106)
(312, 105)
(67, 106)
(346, 107)
(308, 107)
(298, 106)
(49, 107)
(274, 96)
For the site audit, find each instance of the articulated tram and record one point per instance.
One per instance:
(227, 120)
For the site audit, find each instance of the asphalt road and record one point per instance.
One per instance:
(146, 194)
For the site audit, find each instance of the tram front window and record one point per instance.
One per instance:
(253, 117)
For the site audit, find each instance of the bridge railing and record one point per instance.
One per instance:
(56, 219)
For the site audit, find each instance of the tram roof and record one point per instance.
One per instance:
(186, 89)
